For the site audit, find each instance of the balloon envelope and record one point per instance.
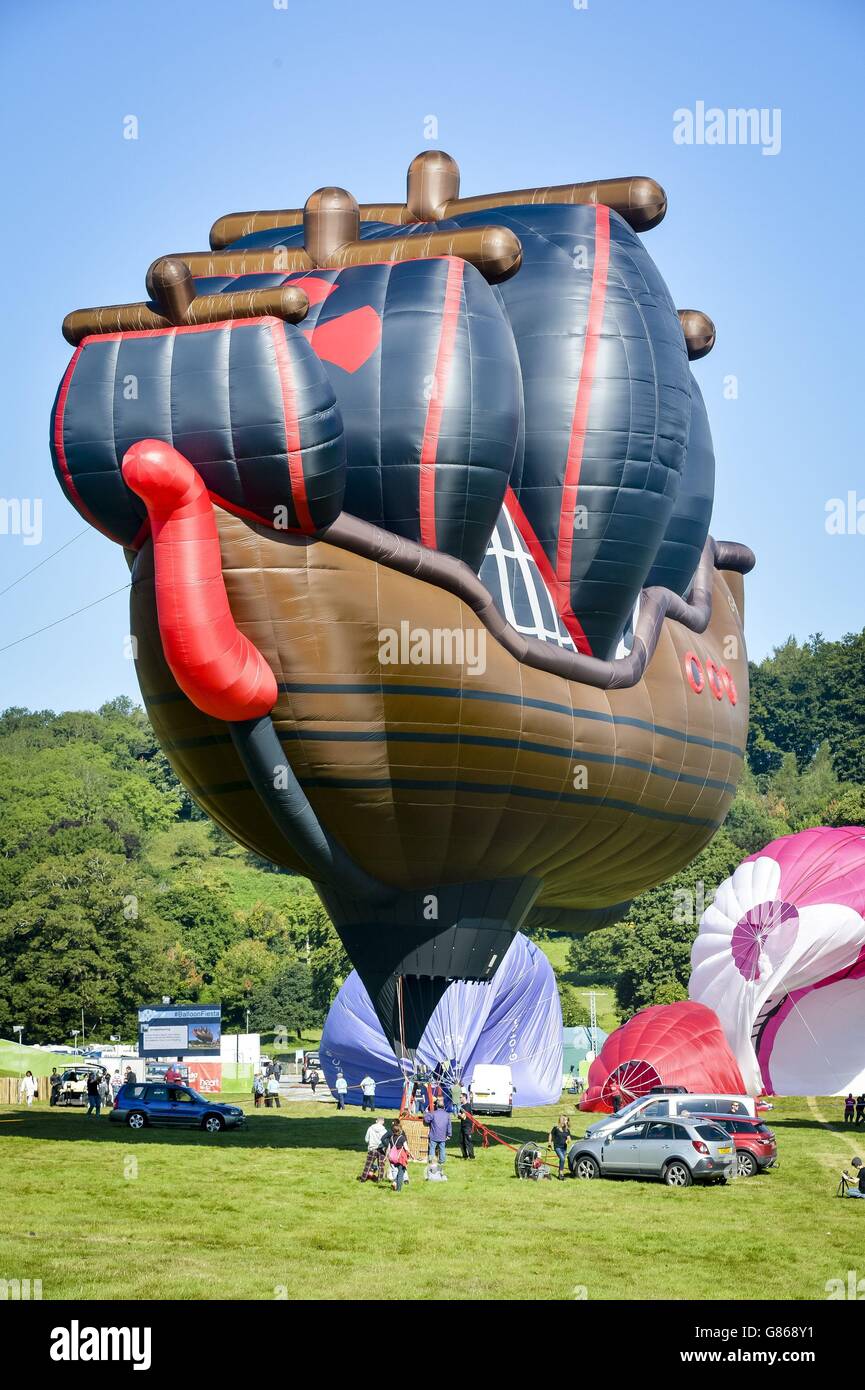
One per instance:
(780, 956)
(666, 1045)
(515, 1020)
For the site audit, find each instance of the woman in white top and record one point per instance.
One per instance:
(27, 1087)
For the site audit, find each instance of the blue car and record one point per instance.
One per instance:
(141, 1103)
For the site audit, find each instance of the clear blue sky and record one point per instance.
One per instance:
(243, 105)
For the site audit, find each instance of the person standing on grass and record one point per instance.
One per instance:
(398, 1154)
(849, 1108)
(374, 1138)
(273, 1093)
(313, 1080)
(438, 1121)
(116, 1083)
(341, 1088)
(173, 1075)
(258, 1089)
(55, 1081)
(94, 1097)
(367, 1091)
(28, 1088)
(615, 1094)
(467, 1132)
(559, 1139)
(860, 1109)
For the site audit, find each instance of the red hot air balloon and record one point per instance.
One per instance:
(679, 1044)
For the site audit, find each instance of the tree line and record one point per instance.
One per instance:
(116, 892)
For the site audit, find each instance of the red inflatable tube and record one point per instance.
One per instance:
(218, 668)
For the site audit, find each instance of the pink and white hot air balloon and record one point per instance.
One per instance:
(780, 957)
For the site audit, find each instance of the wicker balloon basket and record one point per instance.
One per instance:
(417, 1135)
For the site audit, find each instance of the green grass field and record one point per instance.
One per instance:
(96, 1212)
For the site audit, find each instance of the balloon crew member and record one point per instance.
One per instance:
(438, 1121)
(467, 1138)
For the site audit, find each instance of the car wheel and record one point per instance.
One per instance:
(677, 1174)
(585, 1167)
(213, 1123)
(746, 1164)
(136, 1119)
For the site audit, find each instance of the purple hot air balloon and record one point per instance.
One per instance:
(515, 1020)
(780, 957)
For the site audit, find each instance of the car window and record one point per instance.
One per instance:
(714, 1133)
(762, 1129)
(629, 1132)
(658, 1130)
(699, 1107)
(180, 1097)
(658, 1107)
(628, 1109)
(137, 1091)
(158, 1093)
(679, 1132)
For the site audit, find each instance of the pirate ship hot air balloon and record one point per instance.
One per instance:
(416, 501)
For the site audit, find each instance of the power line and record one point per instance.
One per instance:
(65, 619)
(65, 546)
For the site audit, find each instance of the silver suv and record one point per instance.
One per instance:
(677, 1151)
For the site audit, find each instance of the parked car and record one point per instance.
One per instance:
(141, 1103)
(155, 1071)
(655, 1107)
(311, 1062)
(491, 1089)
(677, 1152)
(754, 1142)
(73, 1082)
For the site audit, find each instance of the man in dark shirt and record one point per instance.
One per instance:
(94, 1099)
(467, 1138)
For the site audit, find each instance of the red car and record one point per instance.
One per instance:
(756, 1147)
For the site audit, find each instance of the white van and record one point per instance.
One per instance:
(654, 1106)
(491, 1089)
